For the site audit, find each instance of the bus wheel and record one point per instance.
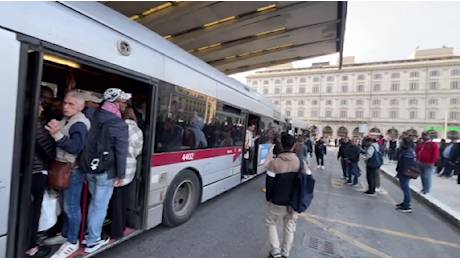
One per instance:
(182, 199)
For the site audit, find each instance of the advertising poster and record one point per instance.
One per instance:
(264, 152)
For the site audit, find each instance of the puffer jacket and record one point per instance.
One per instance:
(45, 148)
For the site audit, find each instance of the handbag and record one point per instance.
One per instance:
(50, 211)
(59, 175)
(413, 172)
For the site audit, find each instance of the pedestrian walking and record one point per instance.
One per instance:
(341, 155)
(320, 152)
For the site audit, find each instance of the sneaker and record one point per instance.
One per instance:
(322, 167)
(275, 255)
(42, 252)
(404, 209)
(66, 250)
(104, 240)
(349, 182)
(378, 190)
(57, 240)
(343, 178)
(354, 185)
(399, 205)
(319, 166)
(370, 194)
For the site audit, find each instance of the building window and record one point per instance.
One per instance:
(434, 73)
(315, 89)
(361, 77)
(431, 115)
(454, 72)
(343, 102)
(265, 91)
(289, 90)
(413, 101)
(377, 87)
(277, 81)
(330, 79)
(395, 87)
(414, 74)
(289, 82)
(360, 88)
(376, 102)
(265, 82)
(314, 102)
(454, 115)
(395, 75)
(376, 114)
(288, 112)
(328, 89)
(314, 113)
(328, 113)
(412, 114)
(301, 102)
(302, 81)
(359, 102)
(300, 113)
(344, 78)
(432, 101)
(328, 102)
(276, 102)
(315, 79)
(394, 102)
(344, 89)
(302, 90)
(277, 90)
(377, 76)
(434, 85)
(455, 85)
(454, 101)
(288, 102)
(413, 86)
(359, 114)
(343, 114)
(393, 114)
(254, 83)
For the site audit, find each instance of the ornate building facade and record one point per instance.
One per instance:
(390, 97)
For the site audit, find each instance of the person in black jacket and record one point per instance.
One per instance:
(320, 152)
(45, 152)
(352, 154)
(342, 155)
(406, 159)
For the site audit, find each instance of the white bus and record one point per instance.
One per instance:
(44, 43)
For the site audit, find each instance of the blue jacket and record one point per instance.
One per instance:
(406, 159)
(119, 136)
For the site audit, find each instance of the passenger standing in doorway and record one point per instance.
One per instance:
(45, 153)
(118, 203)
(371, 173)
(70, 135)
(320, 152)
(101, 185)
(341, 155)
(427, 155)
(279, 182)
(249, 149)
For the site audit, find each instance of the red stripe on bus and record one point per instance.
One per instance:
(194, 155)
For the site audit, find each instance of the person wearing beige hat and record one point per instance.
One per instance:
(92, 99)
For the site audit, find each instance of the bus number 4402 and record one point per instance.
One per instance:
(187, 156)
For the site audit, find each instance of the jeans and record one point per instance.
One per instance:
(370, 174)
(426, 174)
(72, 206)
(448, 168)
(320, 159)
(354, 171)
(101, 190)
(345, 167)
(404, 183)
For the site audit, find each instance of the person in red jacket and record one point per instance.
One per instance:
(427, 155)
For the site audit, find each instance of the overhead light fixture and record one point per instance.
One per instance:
(271, 31)
(167, 36)
(156, 9)
(266, 8)
(209, 46)
(220, 21)
(61, 61)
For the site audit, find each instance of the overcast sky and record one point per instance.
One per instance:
(387, 30)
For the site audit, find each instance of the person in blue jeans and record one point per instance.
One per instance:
(353, 151)
(406, 159)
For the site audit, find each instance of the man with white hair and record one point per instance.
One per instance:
(70, 135)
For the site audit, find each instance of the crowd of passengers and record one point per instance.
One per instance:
(63, 129)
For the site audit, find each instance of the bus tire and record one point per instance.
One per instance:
(182, 198)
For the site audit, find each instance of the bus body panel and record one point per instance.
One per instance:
(9, 69)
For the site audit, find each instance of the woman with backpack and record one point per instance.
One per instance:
(406, 162)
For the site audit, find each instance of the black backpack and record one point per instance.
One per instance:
(97, 155)
(302, 190)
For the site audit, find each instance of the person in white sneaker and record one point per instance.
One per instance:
(320, 152)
